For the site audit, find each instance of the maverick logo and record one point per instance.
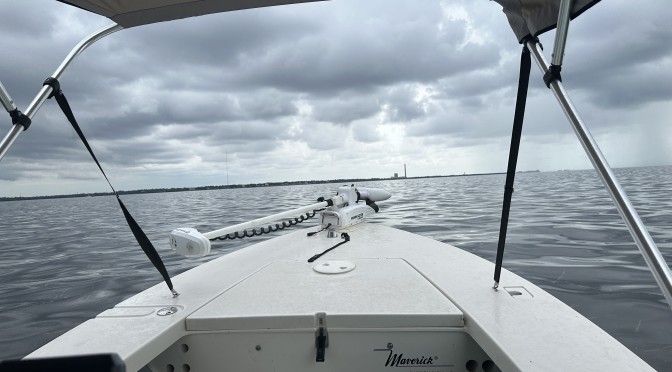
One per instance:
(361, 215)
(398, 360)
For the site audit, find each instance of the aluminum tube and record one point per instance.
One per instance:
(46, 90)
(654, 259)
(79, 48)
(11, 136)
(561, 32)
(13, 133)
(264, 220)
(6, 100)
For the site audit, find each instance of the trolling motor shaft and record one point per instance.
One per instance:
(342, 210)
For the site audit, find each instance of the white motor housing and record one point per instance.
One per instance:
(346, 216)
(373, 194)
(188, 242)
(352, 194)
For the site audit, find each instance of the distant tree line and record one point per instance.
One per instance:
(237, 186)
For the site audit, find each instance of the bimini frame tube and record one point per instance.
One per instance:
(9, 105)
(46, 90)
(6, 100)
(645, 243)
(561, 32)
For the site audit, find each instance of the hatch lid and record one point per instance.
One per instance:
(377, 293)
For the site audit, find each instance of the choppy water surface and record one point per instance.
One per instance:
(63, 261)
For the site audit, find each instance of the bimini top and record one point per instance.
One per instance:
(131, 13)
(534, 17)
(526, 17)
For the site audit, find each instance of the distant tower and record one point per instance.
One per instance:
(405, 171)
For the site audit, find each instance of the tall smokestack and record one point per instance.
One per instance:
(405, 171)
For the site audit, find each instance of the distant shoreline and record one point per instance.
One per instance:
(241, 186)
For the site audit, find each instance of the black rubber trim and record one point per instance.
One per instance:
(78, 363)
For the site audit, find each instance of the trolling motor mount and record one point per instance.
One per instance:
(341, 211)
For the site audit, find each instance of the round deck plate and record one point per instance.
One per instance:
(334, 267)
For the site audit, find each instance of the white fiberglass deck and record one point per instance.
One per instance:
(407, 290)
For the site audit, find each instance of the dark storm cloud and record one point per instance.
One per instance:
(363, 55)
(189, 109)
(362, 51)
(267, 105)
(247, 130)
(345, 108)
(401, 105)
(228, 36)
(143, 151)
(207, 142)
(481, 82)
(369, 55)
(398, 104)
(452, 120)
(364, 132)
(41, 21)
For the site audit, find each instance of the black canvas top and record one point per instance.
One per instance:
(534, 17)
(526, 17)
(131, 13)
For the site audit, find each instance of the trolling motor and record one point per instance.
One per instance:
(338, 212)
(349, 212)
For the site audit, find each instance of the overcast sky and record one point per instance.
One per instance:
(338, 89)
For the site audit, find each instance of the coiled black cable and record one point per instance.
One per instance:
(285, 224)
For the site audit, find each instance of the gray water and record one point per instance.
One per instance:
(63, 261)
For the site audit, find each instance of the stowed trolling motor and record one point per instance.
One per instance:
(340, 211)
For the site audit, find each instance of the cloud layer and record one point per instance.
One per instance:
(326, 90)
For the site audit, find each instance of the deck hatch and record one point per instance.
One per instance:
(380, 293)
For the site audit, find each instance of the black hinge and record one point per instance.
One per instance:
(321, 336)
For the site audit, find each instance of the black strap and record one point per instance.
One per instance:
(140, 235)
(523, 82)
(343, 235)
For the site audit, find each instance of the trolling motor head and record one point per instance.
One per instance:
(353, 195)
(350, 212)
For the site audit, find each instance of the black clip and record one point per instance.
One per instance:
(552, 75)
(55, 86)
(20, 118)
